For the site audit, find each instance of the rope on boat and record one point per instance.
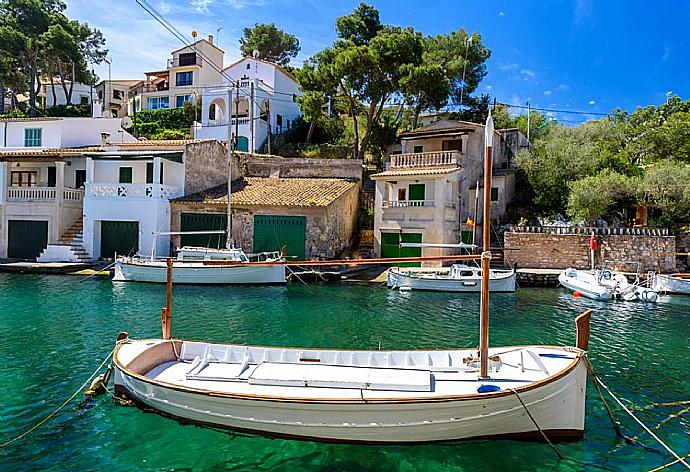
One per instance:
(638, 421)
(552, 445)
(63, 405)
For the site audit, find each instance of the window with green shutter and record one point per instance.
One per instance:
(125, 175)
(32, 137)
(494, 194)
(417, 191)
(149, 173)
(418, 149)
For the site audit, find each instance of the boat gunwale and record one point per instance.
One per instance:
(579, 355)
(501, 274)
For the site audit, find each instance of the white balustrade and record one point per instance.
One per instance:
(408, 204)
(27, 194)
(72, 195)
(116, 190)
(425, 159)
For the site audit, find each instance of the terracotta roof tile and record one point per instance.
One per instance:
(267, 191)
(412, 171)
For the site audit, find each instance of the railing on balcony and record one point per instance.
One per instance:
(42, 194)
(424, 159)
(185, 61)
(161, 87)
(116, 190)
(408, 204)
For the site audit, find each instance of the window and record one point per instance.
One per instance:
(149, 173)
(417, 191)
(52, 176)
(187, 59)
(453, 145)
(83, 100)
(125, 175)
(159, 103)
(402, 194)
(418, 148)
(184, 78)
(494, 194)
(32, 137)
(100, 94)
(249, 66)
(24, 178)
(212, 112)
(180, 99)
(118, 94)
(79, 178)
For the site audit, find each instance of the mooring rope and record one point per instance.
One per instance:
(666, 466)
(548, 441)
(63, 405)
(638, 421)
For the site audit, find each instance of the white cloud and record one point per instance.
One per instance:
(527, 74)
(164, 7)
(201, 6)
(592, 102)
(506, 66)
(667, 53)
(583, 10)
(488, 88)
(500, 13)
(547, 93)
(563, 87)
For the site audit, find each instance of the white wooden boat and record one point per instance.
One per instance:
(364, 396)
(456, 278)
(134, 269)
(604, 284)
(672, 283)
(358, 396)
(232, 254)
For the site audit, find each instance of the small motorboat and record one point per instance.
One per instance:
(456, 278)
(603, 284)
(672, 283)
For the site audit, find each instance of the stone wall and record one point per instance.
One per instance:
(257, 165)
(558, 251)
(205, 166)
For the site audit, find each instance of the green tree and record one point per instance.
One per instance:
(273, 44)
(604, 194)
(666, 188)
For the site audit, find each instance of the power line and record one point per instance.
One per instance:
(574, 112)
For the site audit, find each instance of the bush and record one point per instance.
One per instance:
(70, 111)
(169, 134)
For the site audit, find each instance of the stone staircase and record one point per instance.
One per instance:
(69, 248)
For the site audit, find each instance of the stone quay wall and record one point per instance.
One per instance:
(259, 165)
(551, 250)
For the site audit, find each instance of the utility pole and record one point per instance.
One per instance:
(237, 110)
(268, 119)
(231, 156)
(251, 117)
(528, 119)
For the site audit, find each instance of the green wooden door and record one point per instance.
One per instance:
(272, 232)
(390, 247)
(121, 237)
(242, 144)
(203, 222)
(26, 239)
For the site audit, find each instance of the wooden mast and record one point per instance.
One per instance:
(166, 313)
(486, 250)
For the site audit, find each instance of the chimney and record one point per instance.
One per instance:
(210, 38)
(96, 108)
(104, 139)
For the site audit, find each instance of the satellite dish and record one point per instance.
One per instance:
(126, 122)
(255, 54)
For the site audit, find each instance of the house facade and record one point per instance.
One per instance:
(82, 94)
(426, 193)
(263, 95)
(117, 96)
(187, 72)
(42, 175)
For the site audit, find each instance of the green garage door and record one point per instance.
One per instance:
(271, 233)
(203, 222)
(26, 239)
(390, 246)
(120, 237)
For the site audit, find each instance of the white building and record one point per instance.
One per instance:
(117, 96)
(82, 94)
(42, 175)
(263, 96)
(426, 193)
(189, 69)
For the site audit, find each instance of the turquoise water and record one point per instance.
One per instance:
(54, 331)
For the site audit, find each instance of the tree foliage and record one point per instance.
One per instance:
(273, 44)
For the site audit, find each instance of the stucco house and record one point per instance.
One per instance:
(264, 96)
(42, 175)
(426, 193)
(188, 71)
(117, 96)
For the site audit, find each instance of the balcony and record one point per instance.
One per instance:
(426, 159)
(184, 61)
(42, 194)
(131, 191)
(160, 87)
(408, 204)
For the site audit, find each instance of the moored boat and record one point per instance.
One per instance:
(672, 283)
(456, 278)
(603, 284)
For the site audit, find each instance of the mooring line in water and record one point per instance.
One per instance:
(552, 445)
(58, 409)
(666, 466)
(97, 272)
(638, 421)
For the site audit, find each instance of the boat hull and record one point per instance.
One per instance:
(585, 287)
(400, 279)
(557, 404)
(198, 273)
(670, 284)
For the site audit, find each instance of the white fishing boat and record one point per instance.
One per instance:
(205, 253)
(672, 283)
(456, 278)
(603, 284)
(364, 396)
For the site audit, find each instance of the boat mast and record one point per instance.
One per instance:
(231, 155)
(486, 250)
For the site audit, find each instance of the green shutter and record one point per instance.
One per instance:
(149, 172)
(494, 194)
(390, 247)
(417, 192)
(203, 222)
(125, 175)
(32, 137)
(273, 232)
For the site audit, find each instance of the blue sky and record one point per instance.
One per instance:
(568, 55)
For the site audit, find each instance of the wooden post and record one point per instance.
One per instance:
(486, 254)
(582, 327)
(166, 313)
